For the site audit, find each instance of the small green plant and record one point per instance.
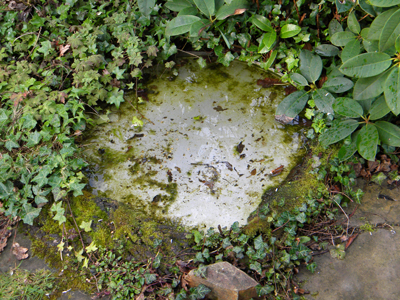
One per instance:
(22, 284)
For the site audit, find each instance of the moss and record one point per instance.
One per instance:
(300, 185)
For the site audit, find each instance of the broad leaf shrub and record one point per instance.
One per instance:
(362, 87)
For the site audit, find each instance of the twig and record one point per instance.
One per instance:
(280, 226)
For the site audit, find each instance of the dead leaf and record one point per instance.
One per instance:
(239, 11)
(350, 240)
(64, 49)
(3, 239)
(283, 119)
(253, 172)
(268, 82)
(19, 252)
(290, 89)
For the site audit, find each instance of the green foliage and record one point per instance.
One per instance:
(22, 284)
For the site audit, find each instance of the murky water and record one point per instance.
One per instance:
(205, 151)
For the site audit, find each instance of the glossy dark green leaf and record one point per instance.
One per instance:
(146, 6)
(198, 26)
(341, 38)
(366, 65)
(230, 9)
(262, 22)
(384, 3)
(352, 23)
(351, 50)
(178, 5)
(188, 11)
(299, 79)
(343, 6)
(390, 32)
(378, 24)
(323, 100)
(391, 90)
(293, 104)
(379, 109)
(270, 61)
(290, 30)
(267, 42)
(338, 84)
(371, 45)
(180, 25)
(349, 147)
(388, 133)
(207, 7)
(327, 50)
(365, 6)
(367, 142)
(310, 65)
(338, 131)
(347, 107)
(334, 27)
(371, 87)
(397, 44)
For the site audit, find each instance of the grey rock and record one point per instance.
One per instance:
(226, 282)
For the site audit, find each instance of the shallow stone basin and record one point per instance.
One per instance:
(205, 152)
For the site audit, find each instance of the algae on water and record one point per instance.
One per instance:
(204, 152)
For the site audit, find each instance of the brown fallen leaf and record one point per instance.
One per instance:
(3, 239)
(253, 172)
(350, 241)
(283, 119)
(64, 49)
(19, 252)
(239, 11)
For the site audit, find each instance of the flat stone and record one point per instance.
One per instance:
(375, 207)
(370, 270)
(226, 282)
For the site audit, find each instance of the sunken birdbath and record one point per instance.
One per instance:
(204, 152)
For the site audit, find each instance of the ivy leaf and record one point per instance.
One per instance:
(264, 290)
(86, 226)
(226, 59)
(338, 252)
(116, 97)
(367, 142)
(79, 255)
(30, 213)
(45, 48)
(256, 266)
(199, 292)
(33, 139)
(29, 122)
(150, 277)
(10, 144)
(91, 248)
(41, 178)
(59, 210)
(118, 73)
